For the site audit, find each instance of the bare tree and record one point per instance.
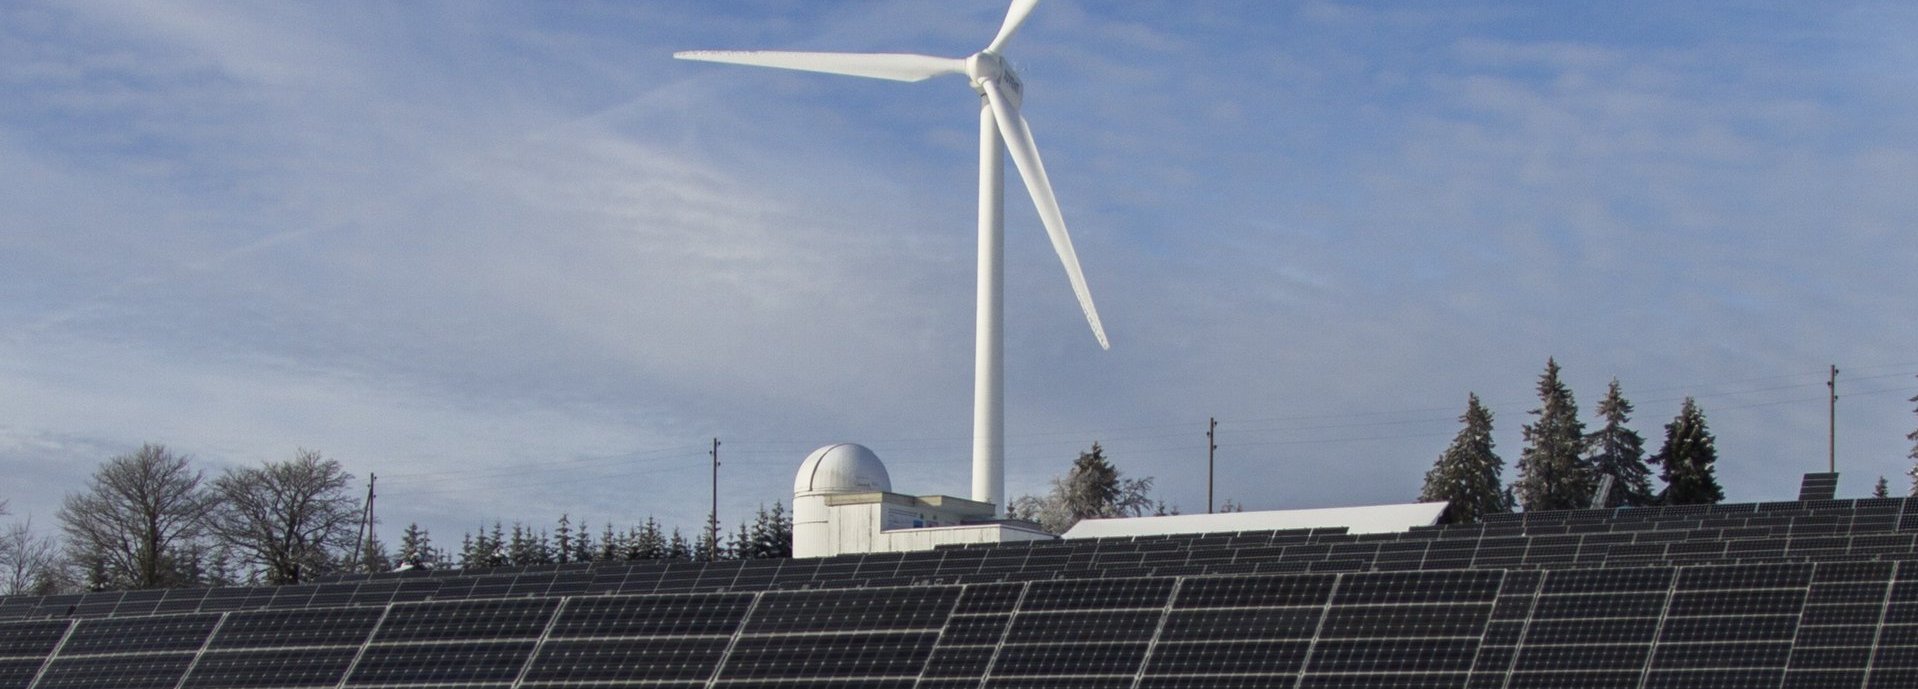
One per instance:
(293, 520)
(133, 526)
(30, 563)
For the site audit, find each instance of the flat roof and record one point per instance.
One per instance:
(1370, 519)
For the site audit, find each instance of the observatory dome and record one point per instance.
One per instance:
(841, 468)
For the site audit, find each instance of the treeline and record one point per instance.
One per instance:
(767, 535)
(1562, 466)
(151, 519)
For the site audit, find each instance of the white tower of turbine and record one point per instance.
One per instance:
(1000, 125)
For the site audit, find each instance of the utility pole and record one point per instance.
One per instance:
(366, 526)
(1831, 429)
(712, 518)
(1211, 450)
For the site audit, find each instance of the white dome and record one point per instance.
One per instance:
(842, 468)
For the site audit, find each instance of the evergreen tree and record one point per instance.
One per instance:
(518, 547)
(469, 551)
(771, 533)
(1467, 472)
(1913, 437)
(496, 553)
(1092, 485)
(416, 547)
(610, 546)
(1091, 489)
(563, 535)
(740, 545)
(1687, 461)
(1551, 473)
(541, 547)
(373, 555)
(1882, 489)
(1619, 452)
(705, 549)
(650, 542)
(630, 544)
(584, 550)
(677, 548)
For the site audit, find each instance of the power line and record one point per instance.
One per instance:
(1142, 433)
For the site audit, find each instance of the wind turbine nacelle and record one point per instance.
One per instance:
(984, 67)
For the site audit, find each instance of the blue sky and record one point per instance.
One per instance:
(516, 260)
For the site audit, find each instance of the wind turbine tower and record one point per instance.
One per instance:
(1001, 128)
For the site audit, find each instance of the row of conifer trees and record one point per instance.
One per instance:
(767, 535)
(1562, 465)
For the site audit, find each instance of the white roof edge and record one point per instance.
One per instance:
(1358, 520)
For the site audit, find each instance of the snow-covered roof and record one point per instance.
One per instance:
(1371, 519)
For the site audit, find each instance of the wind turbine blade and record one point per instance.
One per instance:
(894, 66)
(1015, 16)
(1025, 156)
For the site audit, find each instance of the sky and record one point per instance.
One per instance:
(517, 261)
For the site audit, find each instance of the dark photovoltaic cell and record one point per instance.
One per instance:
(829, 655)
(1124, 625)
(1214, 592)
(1236, 657)
(1437, 619)
(1097, 594)
(627, 660)
(462, 662)
(476, 620)
(140, 634)
(1069, 659)
(306, 667)
(30, 638)
(974, 629)
(305, 627)
(959, 661)
(18, 672)
(819, 611)
(1240, 624)
(148, 671)
(664, 615)
(1818, 487)
(988, 598)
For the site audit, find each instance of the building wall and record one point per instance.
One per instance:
(833, 524)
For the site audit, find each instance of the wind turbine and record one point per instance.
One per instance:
(1000, 127)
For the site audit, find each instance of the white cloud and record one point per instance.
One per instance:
(452, 245)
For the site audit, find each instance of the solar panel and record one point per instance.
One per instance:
(466, 662)
(140, 634)
(837, 655)
(310, 627)
(30, 638)
(1786, 594)
(476, 620)
(271, 668)
(626, 660)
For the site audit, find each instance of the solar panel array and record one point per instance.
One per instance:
(1770, 625)
(1476, 616)
(1819, 531)
(1818, 487)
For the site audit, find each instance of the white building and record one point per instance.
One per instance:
(843, 503)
